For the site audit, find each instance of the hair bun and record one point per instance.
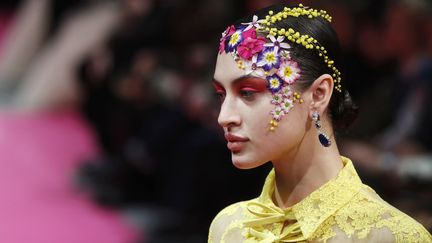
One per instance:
(344, 111)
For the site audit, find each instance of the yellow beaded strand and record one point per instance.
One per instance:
(301, 10)
(296, 37)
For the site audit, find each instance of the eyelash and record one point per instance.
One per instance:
(247, 94)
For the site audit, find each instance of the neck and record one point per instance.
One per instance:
(305, 169)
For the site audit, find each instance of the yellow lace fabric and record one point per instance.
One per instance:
(342, 210)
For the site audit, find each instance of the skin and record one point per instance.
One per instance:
(301, 163)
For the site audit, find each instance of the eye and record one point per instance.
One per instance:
(220, 95)
(247, 94)
(219, 92)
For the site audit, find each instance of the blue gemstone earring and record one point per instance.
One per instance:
(323, 138)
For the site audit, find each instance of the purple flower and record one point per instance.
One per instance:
(268, 59)
(234, 40)
(274, 83)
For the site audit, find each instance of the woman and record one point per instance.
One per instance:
(282, 98)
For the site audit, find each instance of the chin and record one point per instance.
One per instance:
(244, 163)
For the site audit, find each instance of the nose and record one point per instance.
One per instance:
(228, 115)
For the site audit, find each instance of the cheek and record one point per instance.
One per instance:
(288, 134)
(257, 123)
(292, 128)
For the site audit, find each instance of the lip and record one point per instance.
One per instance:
(235, 143)
(234, 138)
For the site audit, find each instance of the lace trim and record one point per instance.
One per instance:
(342, 206)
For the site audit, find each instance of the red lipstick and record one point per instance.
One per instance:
(235, 143)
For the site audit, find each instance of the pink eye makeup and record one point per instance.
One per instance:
(219, 90)
(251, 85)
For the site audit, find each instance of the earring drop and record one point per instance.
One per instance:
(322, 137)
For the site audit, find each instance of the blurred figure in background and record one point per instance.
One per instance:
(152, 110)
(43, 138)
(402, 148)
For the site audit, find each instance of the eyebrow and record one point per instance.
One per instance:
(239, 79)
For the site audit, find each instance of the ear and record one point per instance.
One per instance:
(321, 91)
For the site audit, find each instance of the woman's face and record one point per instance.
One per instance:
(245, 116)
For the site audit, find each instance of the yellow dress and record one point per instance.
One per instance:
(342, 210)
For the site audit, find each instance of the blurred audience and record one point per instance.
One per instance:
(44, 138)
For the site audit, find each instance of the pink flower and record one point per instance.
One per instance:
(250, 33)
(227, 33)
(250, 46)
(221, 46)
(289, 72)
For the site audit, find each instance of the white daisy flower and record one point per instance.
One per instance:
(277, 113)
(255, 23)
(252, 68)
(277, 43)
(286, 91)
(287, 105)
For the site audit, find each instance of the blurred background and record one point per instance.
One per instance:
(108, 127)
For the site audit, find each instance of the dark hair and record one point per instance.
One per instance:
(342, 110)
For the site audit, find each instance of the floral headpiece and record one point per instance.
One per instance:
(259, 50)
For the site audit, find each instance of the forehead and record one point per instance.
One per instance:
(226, 69)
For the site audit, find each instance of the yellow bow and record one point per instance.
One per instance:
(269, 215)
